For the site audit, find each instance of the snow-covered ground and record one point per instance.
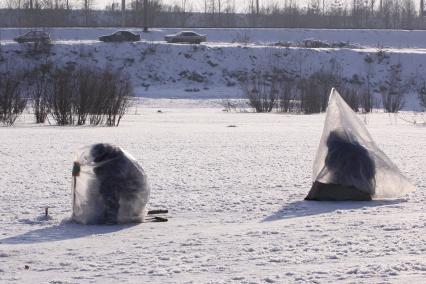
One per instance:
(235, 196)
(234, 182)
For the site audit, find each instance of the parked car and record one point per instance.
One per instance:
(33, 36)
(120, 36)
(186, 36)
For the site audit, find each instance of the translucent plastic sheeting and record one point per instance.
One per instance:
(348, 156)
(108, 187)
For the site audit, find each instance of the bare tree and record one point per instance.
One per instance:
(224, 13)
(422, 94)
(145, 15)
(12, 100)
(408, 14)
(261, 93)
(392, 90)
(39, 90)
(287, 94)
(60, 99)
(87, 6)
(123, 13)
(366, 96)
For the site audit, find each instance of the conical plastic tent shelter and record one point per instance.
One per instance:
(348, 164)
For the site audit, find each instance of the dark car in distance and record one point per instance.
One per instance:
(33, 36)
(185, 37)
(120, 36)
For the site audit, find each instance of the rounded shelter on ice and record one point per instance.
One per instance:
(109, 186)
(348, 164)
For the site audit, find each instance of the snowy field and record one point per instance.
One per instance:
(235, 196)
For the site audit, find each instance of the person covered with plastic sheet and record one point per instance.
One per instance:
(348, 164)
(345, 162)
(112, 187)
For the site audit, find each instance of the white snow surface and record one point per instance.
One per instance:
(235, 196)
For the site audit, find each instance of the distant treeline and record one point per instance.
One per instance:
(361, 14)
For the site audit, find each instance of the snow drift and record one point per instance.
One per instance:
(110, 186)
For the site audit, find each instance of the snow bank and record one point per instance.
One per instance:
(215, 70)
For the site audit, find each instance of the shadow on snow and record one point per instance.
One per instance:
(64, 231)
(308, 208)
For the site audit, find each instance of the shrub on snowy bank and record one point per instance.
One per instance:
(422, 95)
(12, 99)
(261, 92)
(39, 79)
(291, 94)
(75, 96)
(392, 91)
(288, 92)
(66, 95)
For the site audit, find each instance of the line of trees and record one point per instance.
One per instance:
(388, 14)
